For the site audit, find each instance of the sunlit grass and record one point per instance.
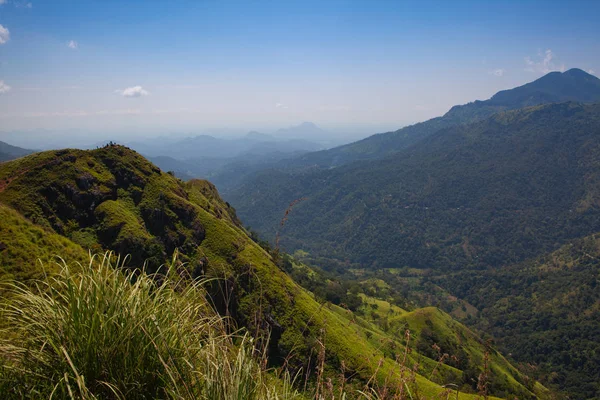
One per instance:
(99, 331)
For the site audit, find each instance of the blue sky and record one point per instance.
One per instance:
(154, 67)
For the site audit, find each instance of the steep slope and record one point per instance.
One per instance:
(24, 247)
(112, 198)
(555, 87)
(486, 194)
(9, 152)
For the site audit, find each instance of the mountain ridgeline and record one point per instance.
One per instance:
(9, 152)
(572, 85)
(458, 205)
(491, 212)
(67, 202)
(226, 162)
(485, 194)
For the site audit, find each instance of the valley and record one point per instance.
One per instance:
(145, 213)
(299, 200)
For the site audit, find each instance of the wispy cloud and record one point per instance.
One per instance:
(134, 91)
(18, 4)
(282, 106)
(544, 63)
(4, 88)
(4, 34)
(591, 71)
(497, 72)
(72, 45)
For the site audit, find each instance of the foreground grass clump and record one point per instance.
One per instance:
(97, 332)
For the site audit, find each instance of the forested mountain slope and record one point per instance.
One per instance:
(491, 193)
(461, 206)
(555, 87)
(9, 152)
(544, 311)
(69, 201)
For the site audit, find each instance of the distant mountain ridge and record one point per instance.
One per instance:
(9, 152)
(306, 130)
(555, 87)
(533, 160)
(572, 85)
(290, 140)
(459, 206)
(227, 161)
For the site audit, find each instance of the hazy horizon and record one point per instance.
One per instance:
(86, 71)
(45, 139)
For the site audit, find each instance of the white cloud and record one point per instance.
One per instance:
(4, 34)
(4, 87)
(72, 44)
(544, 63)
(497, 72)
(282, 106)
(591, 71)
(134, 91)
(23, 4)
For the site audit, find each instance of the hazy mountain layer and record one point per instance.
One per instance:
(572, 85)
(9, 152)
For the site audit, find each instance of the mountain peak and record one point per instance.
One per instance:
(578, 73)
(303, 131)
(255, 135)
(554, 87)
(307, 124)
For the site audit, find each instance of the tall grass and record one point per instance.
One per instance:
(102, 332)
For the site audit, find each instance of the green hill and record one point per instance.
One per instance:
(63, 202)
(25, 247)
